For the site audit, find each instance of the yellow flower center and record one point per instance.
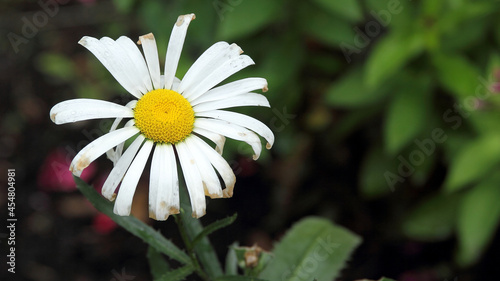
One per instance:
(164, 116)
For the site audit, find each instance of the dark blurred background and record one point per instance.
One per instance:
(386, 116)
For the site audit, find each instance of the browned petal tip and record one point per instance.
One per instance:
(180, 19)
(148, 36)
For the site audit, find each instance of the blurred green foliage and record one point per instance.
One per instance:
(414, 78)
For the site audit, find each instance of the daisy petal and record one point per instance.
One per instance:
(98, 147)
(217, 75)
(232, 89)
(174, 48)
(219, 163)
(127, 63)
(218, 139)
(118, 171)
(248, 99)
(137, 59)
(231, 131)
(210, 60)
(86, 109)
(123, 203)
(154, 180)
(193, 179)
(148, 43)
(112, 154)
(244, 121)
(166, 202)
(211, 183)
(119, 147)
(114, 60)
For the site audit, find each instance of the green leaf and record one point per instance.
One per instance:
(157, 263)
(473, 161)
(485, 121)
(478, 218)
(231, 260)
(238, 278)
(133, 225)
(465, 35)
(244, 17)
(372, 178)
(407, 114)
(433, 219)
(456, 74)
(392, 53)
(424, 170)
(350, 91)
(177, 274)
(321, 25)
(350, 10)
(313, 249)
(214, 227)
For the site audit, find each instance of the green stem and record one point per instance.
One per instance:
(189, 247)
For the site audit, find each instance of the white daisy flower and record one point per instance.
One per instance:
(168, 118)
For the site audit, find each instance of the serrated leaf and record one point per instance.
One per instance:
(478, 219)
(350, 10)
(157, 263)
(391, 53)
(240, 18)
(456, 74)
(473, 161)
(214, 227)
(314, 248)
(351, 91)
(433, 219)
(133, 225)
(407, 114)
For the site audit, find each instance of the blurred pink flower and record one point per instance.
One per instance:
(54, 174)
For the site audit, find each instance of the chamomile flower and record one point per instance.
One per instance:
(170, 119)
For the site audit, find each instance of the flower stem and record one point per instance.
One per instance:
(189, 246)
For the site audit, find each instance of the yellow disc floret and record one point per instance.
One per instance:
(164, 116)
